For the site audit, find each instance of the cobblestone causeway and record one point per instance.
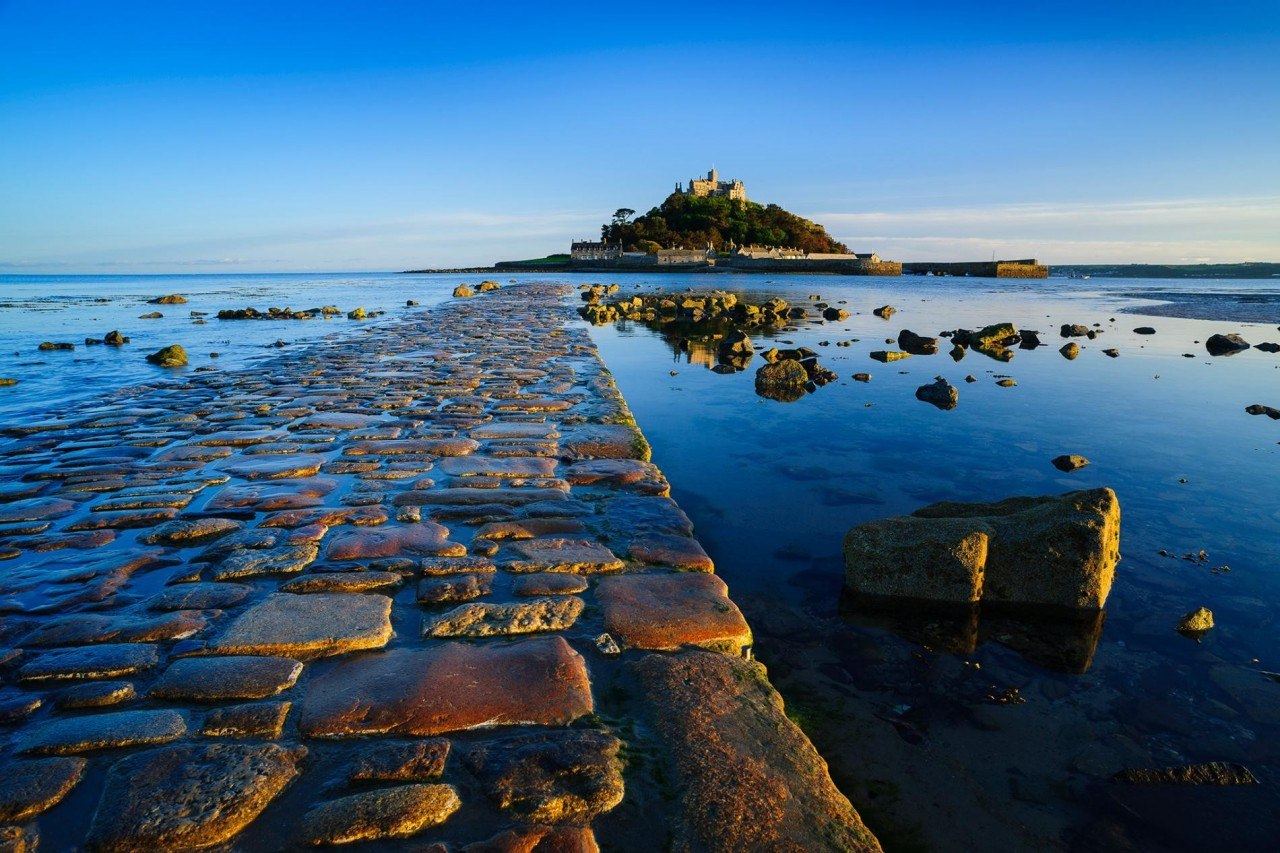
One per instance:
(420, 581)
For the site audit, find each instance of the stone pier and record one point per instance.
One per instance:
(420, 581)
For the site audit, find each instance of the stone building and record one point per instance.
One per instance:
(585, 250)
(712, 186)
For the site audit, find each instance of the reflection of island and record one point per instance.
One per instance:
(1057, 641)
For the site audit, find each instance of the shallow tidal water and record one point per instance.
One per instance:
(905, 709)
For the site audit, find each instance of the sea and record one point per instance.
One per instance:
(987, 731)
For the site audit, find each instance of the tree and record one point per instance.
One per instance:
(690, 222)
(622, 214)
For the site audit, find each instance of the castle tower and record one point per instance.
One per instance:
(713, 176)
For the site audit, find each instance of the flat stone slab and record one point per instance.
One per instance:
(425, 538)
(483, 466)
(748, 777)
(530, 528)
(308, 626)
(422, 446)
(28, 788)
(96, 694)
(216, 679)
(605, 441)
(258, 720)
(512, 430)
(342, 582)
(188, 532)
(667, 611)
(35, 509)
(488, 619)
(539, 681)
(189, 797)
(549, 584)
(669, 549)
(336, 421)
(551, 778)
(629, 474)
(256, 562)
(386, 813)
(109, 660)
(421, 761)
(273, 494)
(271, 467)
(560, 554)
(91, 628)
(449, 590)
(199, 596)
(473, 496)
(103, 731)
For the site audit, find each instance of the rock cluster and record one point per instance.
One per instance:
(1059, 551)
(251, 313)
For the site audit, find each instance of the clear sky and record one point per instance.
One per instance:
(181, 135)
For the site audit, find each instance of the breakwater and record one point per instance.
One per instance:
(421, 580)
(1028, 268)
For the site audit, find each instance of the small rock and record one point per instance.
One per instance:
(1070, 462)
(939, 393)
(171, 299)
(462, 292)
(1197, 623)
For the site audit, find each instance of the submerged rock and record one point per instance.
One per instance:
(171, 299)
(1212, 773)
(1259, 409)
(885, 311)
(1070, 351)
(782, 380)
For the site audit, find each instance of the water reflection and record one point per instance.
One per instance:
(1056, 641)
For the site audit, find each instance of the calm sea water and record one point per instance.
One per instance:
(902, 708)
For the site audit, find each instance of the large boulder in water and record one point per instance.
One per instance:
(170, 356)
(1226, 344)
(1058, 551)
(462, 292)
(917, 558)
(783, 380)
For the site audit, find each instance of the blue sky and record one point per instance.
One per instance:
(238, 136)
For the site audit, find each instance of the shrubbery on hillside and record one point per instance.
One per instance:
(689, 222)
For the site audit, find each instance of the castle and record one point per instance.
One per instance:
(713, 186)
